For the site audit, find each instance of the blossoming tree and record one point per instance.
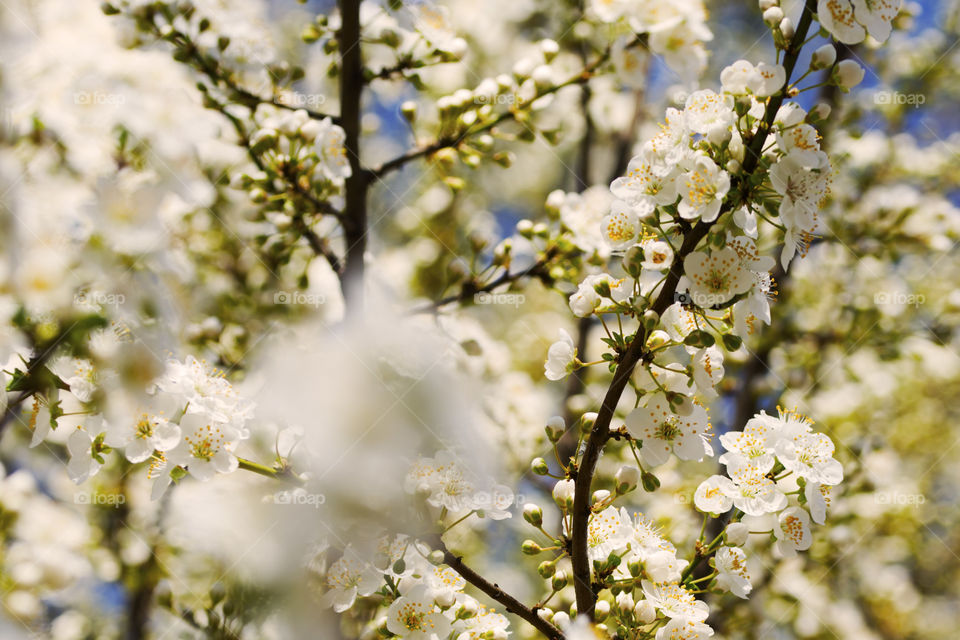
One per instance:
(283, 280)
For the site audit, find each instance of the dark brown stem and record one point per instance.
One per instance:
(355, 212)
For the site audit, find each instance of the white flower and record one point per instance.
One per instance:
(609, 10)
(731, 565)
(710, 114)
(627, 477)
(583, 213)
(348, 578)
(414, 616)
(837, 17)
(671, 146)
(608, 531)
(664, 566)
(680, 629)
(586, 299)
(657, 255)
(560, 357)
(487, 624)
(621, 226)
(767, 79)
(707, 367)
(204, 389)
(647, 182)
(206, 447)
(818, 499)
(678, 321)
(713, 495)
(330, 147)
(737, 78)
(877, 16)
(83, 463)
(150, 433)
(849, 74)
(810, 456)
(803, 142)
(661, 431)
(674, 601)
(716, 278)
(753, 492)
(824, 57)
(793, 532)
(702, 190)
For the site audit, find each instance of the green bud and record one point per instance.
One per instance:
(547, 569)
(539, 466)
(530, 548)
(650, 482)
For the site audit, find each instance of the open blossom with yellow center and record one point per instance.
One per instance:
(680, 629)
(753, 492)
(348, 578)
(663, 432)
(414, 616)
(702, 190)
(793, 531)
(647, 183)
(608, 531)
(810, 455)
(205, 449)
(732, 574)
(716, 278)
(713, 495)
(710, 114)
(837, 17)
(621, 226)
(150, 432)
(674, 601)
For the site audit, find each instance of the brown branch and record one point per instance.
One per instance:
(493, 590)
(586, 598)
(357, 185)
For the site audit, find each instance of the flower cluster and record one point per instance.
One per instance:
(416, 595)
(446, 485)
(193, 424)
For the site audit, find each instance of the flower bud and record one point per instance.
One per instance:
(539, 467)
(766, 4)
(650, 482)
(563, 493)
(601, 610)
(445, 599)
(409, 110)
(848, 74)
(736, 533)
(559, 581)
(633, 260)
(823, 57)
(787, 28)
(530, 548)
(550, 49)
(533, 514)
(773, 16)
(587, 421)
(644, 612)
(468, 609)
(625, 602)
(650, 319)
(599, 496)
(547, 569)
(555, 428)
(627, 478)
(821, 111)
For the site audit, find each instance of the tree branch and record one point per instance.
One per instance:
(355, 210)
(586, 598)
(510, 603)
